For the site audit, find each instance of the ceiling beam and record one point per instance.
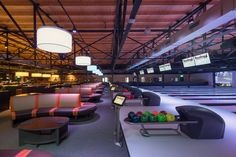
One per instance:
(133, 14)
(16, 24)
(179, 22)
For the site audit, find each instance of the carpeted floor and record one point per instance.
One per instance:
(93, 138)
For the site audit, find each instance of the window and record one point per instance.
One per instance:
(105, 79)
(142, 79)
(223, 78)
(127, 79)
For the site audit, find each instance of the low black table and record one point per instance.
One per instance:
(43, 130)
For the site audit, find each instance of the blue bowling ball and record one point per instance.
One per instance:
(131, 115)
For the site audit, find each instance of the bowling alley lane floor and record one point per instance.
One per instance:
(179, 146)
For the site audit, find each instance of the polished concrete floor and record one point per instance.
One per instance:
(92, 138)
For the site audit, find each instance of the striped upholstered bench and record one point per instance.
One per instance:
(69, 105)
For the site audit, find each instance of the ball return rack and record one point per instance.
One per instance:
(155, 131)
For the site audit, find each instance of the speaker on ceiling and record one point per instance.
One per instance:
(229, 43)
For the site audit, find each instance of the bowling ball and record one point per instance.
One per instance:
(125, 90)
(163, 112)
(170, 117)
(155, 113)
(130, 115)
(153, 118)
(144, 118)
(139, 113)
(135, 119)
(147, 113)
(130, 97)
(161, 117)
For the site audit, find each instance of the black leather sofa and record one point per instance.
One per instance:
(210, 125)
(4, 100)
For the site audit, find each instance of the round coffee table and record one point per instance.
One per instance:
(43, 130)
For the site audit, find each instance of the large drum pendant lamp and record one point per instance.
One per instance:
(83, 60)
(54, 39)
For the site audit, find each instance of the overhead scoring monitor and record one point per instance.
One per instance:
(150, 70)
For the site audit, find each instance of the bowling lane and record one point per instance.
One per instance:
(178, 146)
(203, 94)
(223, 98)
(207, 97)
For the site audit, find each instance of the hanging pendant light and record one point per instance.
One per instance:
(54, 39)
(83, 60)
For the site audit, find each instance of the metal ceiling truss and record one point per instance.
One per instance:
(219, 58)
(195, 12)
(32, 42)
(89, 30)
(120, 35)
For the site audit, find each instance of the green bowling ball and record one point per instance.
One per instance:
(147, 113)
(161, 117)
(144, 118)
(170, 117)
(153, 118)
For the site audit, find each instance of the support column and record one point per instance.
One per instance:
(234, 79)
(35, 33)
(213, 79)
(189, 80)
(163, 80)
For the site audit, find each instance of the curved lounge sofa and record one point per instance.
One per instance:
(96, 87)
(87, 94)
(69, 105)
(4, 100)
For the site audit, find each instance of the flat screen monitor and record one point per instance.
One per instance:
(150, 70)
(224, 77)
(188, 62)
(202, 59)
(141, 72)
(165, 67)
(119, 100)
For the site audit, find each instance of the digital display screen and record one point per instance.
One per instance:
(188, 62)
(165, 67)
(202, 59)
(224, 77)
(141, 72)
(150, 70)
(119, 100)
